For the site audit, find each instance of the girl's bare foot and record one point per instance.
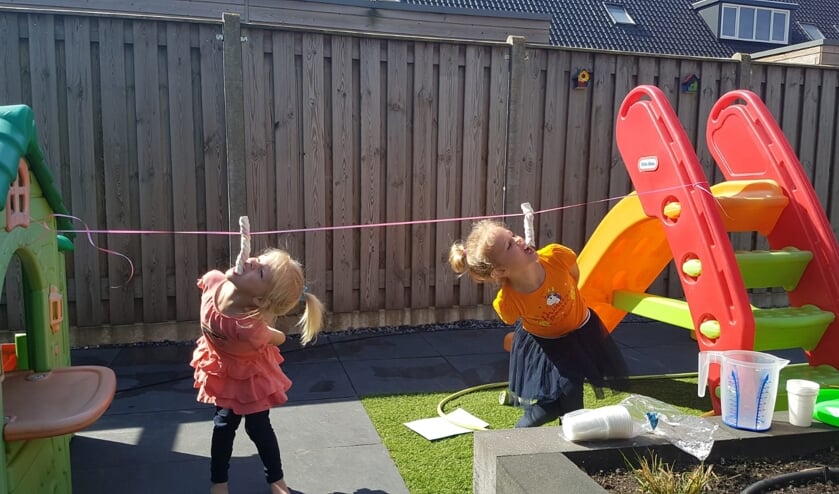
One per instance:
(218, 488)
(279, 487)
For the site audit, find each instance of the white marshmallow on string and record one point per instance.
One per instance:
(529, 237)
(245, 245)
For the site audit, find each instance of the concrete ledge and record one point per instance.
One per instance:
(540, 459)
(544, 473)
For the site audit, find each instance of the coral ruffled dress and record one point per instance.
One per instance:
(235, 365)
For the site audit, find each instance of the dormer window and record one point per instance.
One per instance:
(812, 31)
(749, 23)
(618, 14)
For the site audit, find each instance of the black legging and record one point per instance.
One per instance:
(258, 427)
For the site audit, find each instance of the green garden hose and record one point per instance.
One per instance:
(442, 405)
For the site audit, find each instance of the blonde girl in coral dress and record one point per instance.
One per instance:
(237, 362)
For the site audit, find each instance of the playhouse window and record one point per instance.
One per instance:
(56, 309)
(17, 201)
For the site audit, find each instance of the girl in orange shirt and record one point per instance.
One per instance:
(558, 342)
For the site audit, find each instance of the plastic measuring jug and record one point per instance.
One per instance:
(748, 386)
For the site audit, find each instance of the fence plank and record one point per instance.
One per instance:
(473, 189)
(619, 182)
(344, 253)
(576, 158)
(525, 162)
(82, 164)
(707, 96)
(234, 117)
(154, 177)
(447, 164)
(182, 135)
(371, 172)
(44, 87)
(497, 139)
(825, 138)
(10, 83)
(549, 225)
(602, 126)
(258, 176)
(288, 157)
(314, 161)
(423, 176)
(807, 142)
(115, 158)
(214, 145)
(397, 169)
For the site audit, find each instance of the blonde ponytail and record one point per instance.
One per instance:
(312, 320)
(457, 258)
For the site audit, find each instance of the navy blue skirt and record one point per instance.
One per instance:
(546, 369)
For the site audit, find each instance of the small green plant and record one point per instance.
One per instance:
(656, 477)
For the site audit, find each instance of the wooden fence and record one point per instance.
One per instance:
(337, 130)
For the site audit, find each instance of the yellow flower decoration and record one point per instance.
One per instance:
(583, 76)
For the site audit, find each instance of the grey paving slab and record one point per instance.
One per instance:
(372, 347)
(481, 369)
(94, 356)
(152, 393)
(318, 381)
(173, 449)
(330, 424)
(189, 476)
(406, 375)
(147, 355)
(143, 438)
(349, 470)
(319, 351)
(467, 341)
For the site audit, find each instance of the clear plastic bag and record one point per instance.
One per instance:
(693, 435)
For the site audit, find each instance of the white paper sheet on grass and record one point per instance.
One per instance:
(439, 427)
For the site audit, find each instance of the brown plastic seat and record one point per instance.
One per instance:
(56, 402)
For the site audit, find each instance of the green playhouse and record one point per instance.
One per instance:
(43, 400)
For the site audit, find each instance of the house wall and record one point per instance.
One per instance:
(809, 56)
(830, 55)
(343, 129)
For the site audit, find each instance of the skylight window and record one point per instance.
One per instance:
(813, 32)
(618, 14)
(749, 23)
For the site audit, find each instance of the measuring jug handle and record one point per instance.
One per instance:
(705, 361)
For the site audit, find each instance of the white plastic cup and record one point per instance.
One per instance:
(609, 422)
(801, 395)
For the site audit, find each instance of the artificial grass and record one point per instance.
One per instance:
(445, 465)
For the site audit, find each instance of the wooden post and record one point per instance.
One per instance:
(518, 60)
(744, 70)
(234, 113)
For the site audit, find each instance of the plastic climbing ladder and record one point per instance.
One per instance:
(766, 191)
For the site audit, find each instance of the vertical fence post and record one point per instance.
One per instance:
(234, 117)
(744, 70)
(518, 59)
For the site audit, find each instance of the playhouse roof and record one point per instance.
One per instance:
(19, 138)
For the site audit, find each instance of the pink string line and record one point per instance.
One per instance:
(89, 232)
(101, 249)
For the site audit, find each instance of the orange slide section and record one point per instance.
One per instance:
(627, 251)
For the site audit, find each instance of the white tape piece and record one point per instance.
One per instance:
(529, 237)
(245, 244)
